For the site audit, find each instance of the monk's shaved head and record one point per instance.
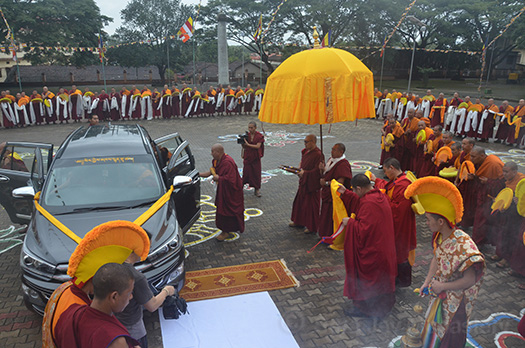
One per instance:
(217, 151)
(478, 150)
(511, 166)
(311, 137)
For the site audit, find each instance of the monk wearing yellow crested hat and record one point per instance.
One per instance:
(455, 272)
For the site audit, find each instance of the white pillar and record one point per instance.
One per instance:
(222, 44)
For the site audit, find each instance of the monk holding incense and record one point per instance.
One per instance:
(305, 210)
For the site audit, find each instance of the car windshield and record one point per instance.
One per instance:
(101, 182)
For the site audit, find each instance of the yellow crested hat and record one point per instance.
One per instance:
(520, 194)
(112, 241)
(438, 196)
(502, 201)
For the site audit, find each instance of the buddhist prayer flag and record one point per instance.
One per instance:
(186, 31)
(326, 40)
(259, 29)
(101, 48)
(383, 47)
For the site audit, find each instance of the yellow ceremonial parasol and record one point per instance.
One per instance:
(319, 86)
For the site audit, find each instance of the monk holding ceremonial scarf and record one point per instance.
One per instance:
(125, 97)
(488, 121)
(305, 211)
(503, 129)
(36, 108)
(49, 102)
(488, 181)
(438, 111)
(369, 250)
(165, 103)
(114, 105)
(395, 147)
(422, 138)
(507, 232)
(229, 198)
(517, 126)
(76, 110)
(336, 168)
(410, 129)
(175, 101)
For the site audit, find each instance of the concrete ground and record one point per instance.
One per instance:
(313, 311)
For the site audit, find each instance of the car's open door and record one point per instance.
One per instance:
(182, 162)
(22, 164)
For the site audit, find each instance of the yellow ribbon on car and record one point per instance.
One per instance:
(139, 221)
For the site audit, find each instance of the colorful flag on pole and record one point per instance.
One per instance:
(383, 48)
(259, 29)
(101, 48)
(186, 31)
(327, 39)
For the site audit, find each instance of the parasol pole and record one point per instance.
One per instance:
(321, 132)
(382, 65)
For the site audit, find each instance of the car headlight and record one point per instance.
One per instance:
(32, 264)
(166, 250)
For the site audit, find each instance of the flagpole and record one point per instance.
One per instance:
(104, 74)
(194, 82)
(382, 65)
(168, 52)
(260, 64)
(20, 80)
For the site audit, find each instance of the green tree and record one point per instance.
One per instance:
(51, 23)
(152, 22)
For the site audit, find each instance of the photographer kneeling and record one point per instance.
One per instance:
(252, 152)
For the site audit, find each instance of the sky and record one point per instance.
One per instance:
(112, 9)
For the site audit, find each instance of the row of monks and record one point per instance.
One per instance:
(486, 184)
(461, 117)
(74, 105)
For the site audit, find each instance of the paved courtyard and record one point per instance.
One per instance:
(313, 311)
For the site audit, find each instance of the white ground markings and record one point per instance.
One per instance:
(515, 155)
(276, 139)
(204, 229)
(11, 238)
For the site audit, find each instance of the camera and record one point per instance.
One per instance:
(242, 137)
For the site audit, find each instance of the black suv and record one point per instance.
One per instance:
(99, 174)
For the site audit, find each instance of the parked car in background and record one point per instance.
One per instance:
(99, 174)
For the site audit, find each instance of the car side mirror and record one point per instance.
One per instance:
(24, 192)
(181, 180)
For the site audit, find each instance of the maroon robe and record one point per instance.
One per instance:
(115, 113)
(427, 166)
(166, 108)
(185, 103)
(221, 108)
(77, 112)
(404, 225)
(251, 171)
(370, 255)
(503, 129)
(454, 102)
(229, 198)
(83, 326)
(409, 145)
(155, 100)
(175, 103)
(209, 107)
(103, 106)
(436, 118)
(125, 110)
(341, 169)
(50, 116)
(488, 124)
(248, 104)
(7, 115)
(394, 152)
(517, 253)
(305, 210)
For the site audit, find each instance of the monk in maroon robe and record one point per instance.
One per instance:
(393, 127)
(408, 148)
(229, 198)
(253, 151)
(8, 115)
(166, 108)
(370, 253)
(114, 105)
(75, 104)
(336, 168)
(504, 128)
(95, 325)
(36, 107)
(104, 105)
(466, 187)
(125, 102)
(421, 158)
(220, 100)
(404, 219)
(305, 210)
(488, 180)
(486, 131)
(507, 232)
(438, 111)
(185, 101)
(175, 101)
